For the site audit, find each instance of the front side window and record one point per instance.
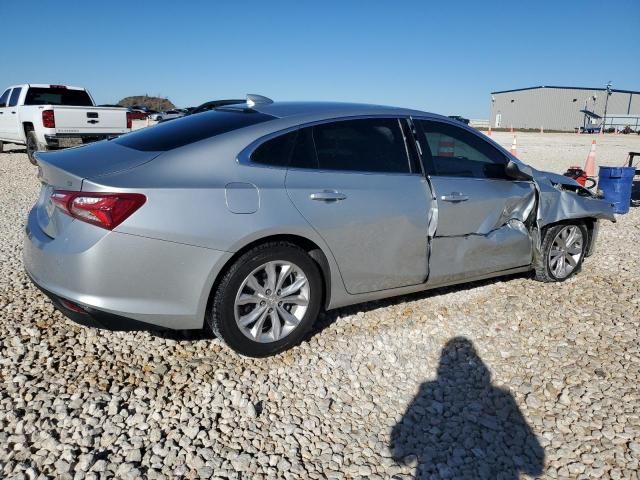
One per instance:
(366, 145)
(455, 152)
(4, 98)
(13, 101)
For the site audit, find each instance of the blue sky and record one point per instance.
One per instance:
(443, 57)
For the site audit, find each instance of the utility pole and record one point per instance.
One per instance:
(606, 103)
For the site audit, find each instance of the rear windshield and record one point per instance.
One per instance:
(190, 129)
(57, 96)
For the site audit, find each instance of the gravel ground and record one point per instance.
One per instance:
(499, 379)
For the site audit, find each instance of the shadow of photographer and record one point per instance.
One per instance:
(460, 426)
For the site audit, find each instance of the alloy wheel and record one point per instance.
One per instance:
(272, 301)
(566, 251)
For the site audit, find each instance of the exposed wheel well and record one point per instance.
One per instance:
(28, 127)
(314, 251)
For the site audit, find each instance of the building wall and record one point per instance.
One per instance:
(556, 108)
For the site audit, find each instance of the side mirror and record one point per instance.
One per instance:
(513, 171)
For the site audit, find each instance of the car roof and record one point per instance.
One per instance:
(315, 111)
(45, 85)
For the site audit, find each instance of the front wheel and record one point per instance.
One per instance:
(563, 250)
(268, 300)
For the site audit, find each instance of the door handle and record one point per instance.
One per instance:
(13, 112)
(455, 197)
(328, 196)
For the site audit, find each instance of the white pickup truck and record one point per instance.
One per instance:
(45, 117)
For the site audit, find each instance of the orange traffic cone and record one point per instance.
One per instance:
(514, 147)
(489, 132)
(590, 165)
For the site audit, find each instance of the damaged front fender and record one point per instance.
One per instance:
(561, 198)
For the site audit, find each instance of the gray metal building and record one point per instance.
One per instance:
(559, 108)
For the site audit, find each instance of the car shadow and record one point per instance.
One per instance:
(328, 318)
(461, 426)
(14, 149)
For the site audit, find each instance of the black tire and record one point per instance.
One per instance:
(543, 270)
(32, 146)
(221, 318)
(1, 147)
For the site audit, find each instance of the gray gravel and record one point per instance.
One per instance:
(495, 380)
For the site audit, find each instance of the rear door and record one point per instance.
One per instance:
(481, 211)
(353, 182)
(13, 119)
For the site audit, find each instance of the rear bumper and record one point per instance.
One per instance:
(120, 279)
(64, 140)
(94, 318)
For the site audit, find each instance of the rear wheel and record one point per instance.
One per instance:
(563, 250)
(268, 300)
(1, 146)
(32, 146)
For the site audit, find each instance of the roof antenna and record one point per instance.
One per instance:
(253, 100)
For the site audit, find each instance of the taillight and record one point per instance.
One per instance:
(48, 119)
(129, 119)
(106, 210)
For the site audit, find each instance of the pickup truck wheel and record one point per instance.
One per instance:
(32, 146)
(1, 146)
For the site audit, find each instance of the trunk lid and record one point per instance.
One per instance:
(67, 169)
(96, 120)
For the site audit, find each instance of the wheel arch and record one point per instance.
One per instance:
(27, 127)
(589, 222)
(313, 250)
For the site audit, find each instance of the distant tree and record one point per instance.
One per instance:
(155, 103)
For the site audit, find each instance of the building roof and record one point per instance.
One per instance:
(566, 88)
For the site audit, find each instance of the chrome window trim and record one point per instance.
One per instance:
(244, 157)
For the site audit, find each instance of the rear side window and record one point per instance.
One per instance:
(456, 152)
(13, 101)
(4, 98)
(275, 152)
(367, 145)
(57, 96)
(294, 149)
(190, 129)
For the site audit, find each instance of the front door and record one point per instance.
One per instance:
(353, 182)
(13, 122)
(481, 212)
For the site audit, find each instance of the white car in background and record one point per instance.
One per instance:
(44, 117)
(169, 114)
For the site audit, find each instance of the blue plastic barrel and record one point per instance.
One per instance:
(616, 183)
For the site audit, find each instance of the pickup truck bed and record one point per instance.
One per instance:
(44, 117)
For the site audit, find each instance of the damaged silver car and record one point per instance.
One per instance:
(250, 218)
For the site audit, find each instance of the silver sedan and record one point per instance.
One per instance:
(250, 218)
